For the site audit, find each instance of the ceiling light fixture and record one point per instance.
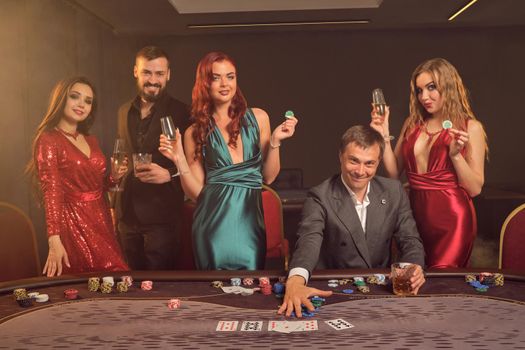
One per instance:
(275, 24)
(461, 10)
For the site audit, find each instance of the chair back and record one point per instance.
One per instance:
(276, 244)
(18, 249)
(512, 240)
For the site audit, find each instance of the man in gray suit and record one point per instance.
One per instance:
(349, 221)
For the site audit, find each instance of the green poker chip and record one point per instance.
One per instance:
(288, 114)
(447, 124)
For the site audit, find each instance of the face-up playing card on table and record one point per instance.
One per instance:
(227, 326)
(339, 324)
(252, 326)
(292, 326)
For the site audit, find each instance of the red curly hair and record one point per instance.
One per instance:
(202, 106)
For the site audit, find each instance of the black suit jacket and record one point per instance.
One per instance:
(151, 203)
(330, 234)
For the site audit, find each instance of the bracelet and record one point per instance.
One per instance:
(389, 138)
(273, 146)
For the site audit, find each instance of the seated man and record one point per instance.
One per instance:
(349, 221)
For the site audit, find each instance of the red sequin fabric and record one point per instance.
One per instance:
(76, 209)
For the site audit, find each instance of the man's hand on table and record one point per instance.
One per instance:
(417, 279)
(297, 294)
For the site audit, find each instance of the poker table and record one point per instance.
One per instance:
(447, 313)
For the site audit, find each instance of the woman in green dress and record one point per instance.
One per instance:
(229, 151)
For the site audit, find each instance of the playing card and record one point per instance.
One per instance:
(227, 326)
(281, 326)
(310, 325)
(252, 326)
(339, 324)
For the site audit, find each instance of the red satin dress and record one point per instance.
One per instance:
(75, 206)
(444, 212)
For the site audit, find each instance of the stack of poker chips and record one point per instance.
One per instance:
(217, 284)
(485, 280)
(376, 279)
(317, 301)
(146, 285)
(128, 280)
(236, 281)
(278, 288)
(359, 282)
(248, 281)
(344, 281)
(106, 287)
(174, 304)
(333, 283)
(93, 284)
(122, 287)
(71, 294)
(264, 284)
(22, 298)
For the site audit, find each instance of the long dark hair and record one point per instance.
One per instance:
(53, 115)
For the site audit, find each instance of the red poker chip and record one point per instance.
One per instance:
(71, 293)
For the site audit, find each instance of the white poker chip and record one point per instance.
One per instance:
(359, 278)
(447, 124)
(33, 294)
(333, 281)
(109, 279)
(42, 298)
(333, 285)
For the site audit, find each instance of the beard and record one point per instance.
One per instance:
(150, 97)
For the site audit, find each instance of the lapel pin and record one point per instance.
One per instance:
(383, 201)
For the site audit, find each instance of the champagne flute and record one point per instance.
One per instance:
(118, 158)
(378, 100)
(168, 129)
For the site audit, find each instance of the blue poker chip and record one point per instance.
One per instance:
(348, 291)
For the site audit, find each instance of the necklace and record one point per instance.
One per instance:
(73, 135)
(431, 134)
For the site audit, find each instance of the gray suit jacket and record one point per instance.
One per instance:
(330, 235)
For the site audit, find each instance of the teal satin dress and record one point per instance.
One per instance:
(228, 224)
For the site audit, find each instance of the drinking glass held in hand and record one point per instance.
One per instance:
(119, 164)
(168, 129)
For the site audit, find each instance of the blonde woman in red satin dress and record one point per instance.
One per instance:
(70, 169)
(444, 167)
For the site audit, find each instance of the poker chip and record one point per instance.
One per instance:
(25, 301)
(380, 278)
(108, 279)
(122, 287)
(499, 280)
(359, 278)
(20, 293)
(93, 284)
(235, 281)
(266, 289)
(33, 294)
(317, 301)
(217, 284)
(289, 114)
(363, 289)
(359, 283)
(71, 294)
(333, 285)
(174, 304)
(264, 281)
(344, 281)
(470, 278)
(42, 298)
(146, 285)
(447, 124)
(333, 281)
(128, 280)
(372, 280)
(106, 287)
(348, 291)
(248, 281)
(278, 288)
(482, 289)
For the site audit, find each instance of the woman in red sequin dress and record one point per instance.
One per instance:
(444, 167)
(70, 168)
